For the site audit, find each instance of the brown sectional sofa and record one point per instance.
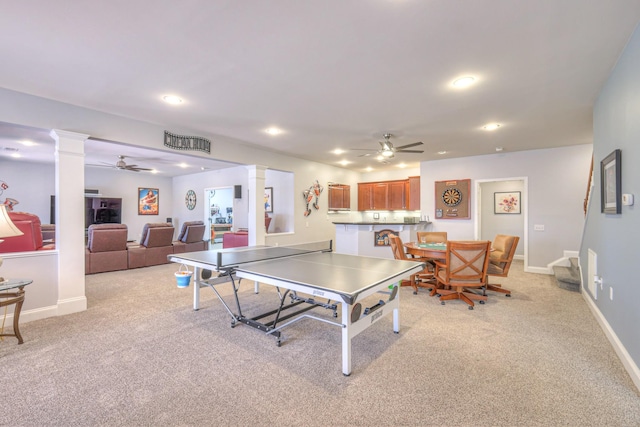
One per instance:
(191, 238)
(106, 248)
(155, 246)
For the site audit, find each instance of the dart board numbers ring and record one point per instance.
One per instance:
(451, 197)
(190, 200)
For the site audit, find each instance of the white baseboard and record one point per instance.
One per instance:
(539, 270)
(35, 314)
(72, 305)
(625, 358)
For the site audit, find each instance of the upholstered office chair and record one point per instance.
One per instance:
(432, 236)
(503, 250)
(416, 279)
(465, 267)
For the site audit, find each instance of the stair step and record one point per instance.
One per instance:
(567, 277)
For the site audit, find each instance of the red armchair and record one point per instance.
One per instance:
(31, 240)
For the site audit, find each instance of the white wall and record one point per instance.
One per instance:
(493, 223)
(557, 181)
(32, 184)
(124, 184)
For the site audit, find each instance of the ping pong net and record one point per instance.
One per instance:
(226, 259)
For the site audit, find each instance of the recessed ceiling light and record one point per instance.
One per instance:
(344, 162)
(442, 152)
(402, 165)
(183, 165)
(368, 169)
(28, 143)
(499, 149)
(273, 131)
(491, 126)
(172, 99)
(338, 151)
(154, 171)
(16, 155)
(463, 82)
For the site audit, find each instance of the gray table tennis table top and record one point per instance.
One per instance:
(347, 275)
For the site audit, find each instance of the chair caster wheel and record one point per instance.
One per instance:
(508, 295)
(481, 302)
(441, 302)
(470, 308)
(278, 343)
(415, 292)
(438, 295)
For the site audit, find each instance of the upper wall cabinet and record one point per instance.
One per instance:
(339, 197)
(389, 195)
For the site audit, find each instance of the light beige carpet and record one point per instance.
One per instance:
(141, 356)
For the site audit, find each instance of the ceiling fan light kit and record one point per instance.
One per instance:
(387, 151)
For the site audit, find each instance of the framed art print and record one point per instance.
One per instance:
(148, 201)
(610, 185)
(268, 199)
(506, 202)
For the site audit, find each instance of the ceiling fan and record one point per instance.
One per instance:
(387, 150)
(122, 165)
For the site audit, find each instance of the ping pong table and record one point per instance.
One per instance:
(312, 276)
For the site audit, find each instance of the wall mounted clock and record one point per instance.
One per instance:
(190, 200)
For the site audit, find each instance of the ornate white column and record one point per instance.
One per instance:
(70, 226)
(257, 230)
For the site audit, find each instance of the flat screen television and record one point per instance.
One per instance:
(102, 210)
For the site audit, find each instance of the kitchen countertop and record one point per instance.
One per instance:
(380, 223)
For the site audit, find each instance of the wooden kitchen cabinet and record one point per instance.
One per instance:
(339, 197)
(389, 195)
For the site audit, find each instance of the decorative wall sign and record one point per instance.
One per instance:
(190, 200)
(313, 192)
(148, 201)
(381, 238)
(506, 202)
(182, 142)
(610, 184)
(268, 199)
(453, 199)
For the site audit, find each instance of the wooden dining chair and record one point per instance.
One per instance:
(465, 267)
(503, 250)
(416, 279)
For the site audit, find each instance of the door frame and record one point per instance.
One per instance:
(477, 226)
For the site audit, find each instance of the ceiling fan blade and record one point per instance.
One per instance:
(365, 155)
(409, 151)
(409, 145)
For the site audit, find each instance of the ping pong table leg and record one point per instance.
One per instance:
(346, 339)
(196, 289)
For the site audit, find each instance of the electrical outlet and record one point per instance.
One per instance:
(538, 227)
(307, 223)
(611, 294)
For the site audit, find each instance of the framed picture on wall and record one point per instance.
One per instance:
(268, 199)
(148, 201)
(610, 185)
(507, 202)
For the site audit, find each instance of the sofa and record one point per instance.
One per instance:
(155, 245)
(191, 238)
(49, 232)
(106, 248)
(31, 240)
(235, 239)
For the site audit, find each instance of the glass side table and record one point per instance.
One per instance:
(17, 298)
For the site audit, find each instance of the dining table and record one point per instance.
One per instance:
(426, 250)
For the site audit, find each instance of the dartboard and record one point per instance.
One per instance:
(451, 196)
(190, 200)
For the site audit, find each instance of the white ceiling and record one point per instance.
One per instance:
(330, 73)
